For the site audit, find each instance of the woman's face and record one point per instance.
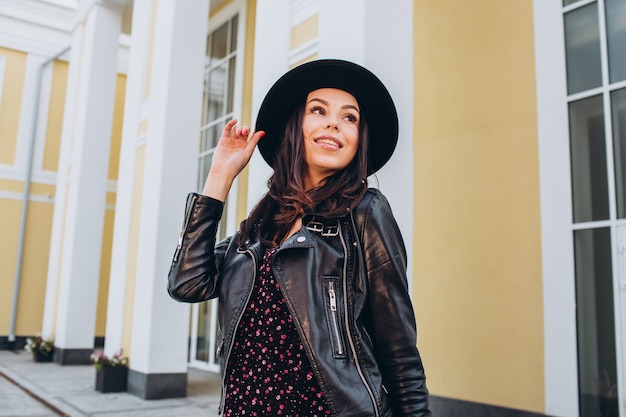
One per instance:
(331, 133)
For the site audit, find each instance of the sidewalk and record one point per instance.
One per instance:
(28, 388)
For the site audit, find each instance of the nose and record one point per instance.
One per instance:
(333, 123)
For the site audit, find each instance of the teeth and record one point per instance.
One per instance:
(329, 142)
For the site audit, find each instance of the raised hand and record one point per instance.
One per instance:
(232, 154)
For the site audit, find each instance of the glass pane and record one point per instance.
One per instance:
(204, 323)
(205, 166)
(215, 86)
(209, 137)
(616, 38)
(588, 155)
(233, 34)
(219, 43)
(618, 106)
(205, 101)
(231, 85)
(582, 49)
(566, 2)
(597, 369)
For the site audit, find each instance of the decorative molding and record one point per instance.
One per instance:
(48, 14)
(39, 198)
(38, 27)
(3, 61)
(69, 4)
(303, 52)
(301, 10)
(32, 39)
(45, 177)
(85, 6)
(45, 27)
(123, 53)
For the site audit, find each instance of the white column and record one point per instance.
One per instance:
(58, 217)
(160, 324)
(86, 141)
(134, 98)
(345, 21)
(358, 31)
(557, 246)
(272, 39)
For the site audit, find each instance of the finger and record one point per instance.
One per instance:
(242, 132)
(229, 126)
(255, 138)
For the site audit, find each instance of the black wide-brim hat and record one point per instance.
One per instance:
(291, 90)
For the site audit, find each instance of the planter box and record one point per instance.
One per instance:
(112, 379)
(43, 357)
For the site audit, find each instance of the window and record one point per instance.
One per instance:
(595, 35)
(218, 107)
(219, 86)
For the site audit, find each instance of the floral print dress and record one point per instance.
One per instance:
(269, 371)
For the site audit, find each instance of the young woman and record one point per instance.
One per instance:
(314, 310)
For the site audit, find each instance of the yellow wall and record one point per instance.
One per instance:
(39, 224)
(9, 224)
(35, 269)
(304, 32)
(477, 253)
(14, 70)
(55, 116)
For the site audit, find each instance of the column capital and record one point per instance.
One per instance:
(86, 6)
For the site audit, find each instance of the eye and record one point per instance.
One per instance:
(351, 118)
(317, 110)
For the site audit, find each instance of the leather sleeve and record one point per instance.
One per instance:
(392, 315)
(194, 273)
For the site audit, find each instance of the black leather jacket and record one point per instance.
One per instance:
(346, 287)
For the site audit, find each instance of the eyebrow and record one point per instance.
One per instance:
(345, 106)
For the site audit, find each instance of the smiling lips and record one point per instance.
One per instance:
(329, 140)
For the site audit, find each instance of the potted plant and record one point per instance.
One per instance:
(111, 372)
(42, 349)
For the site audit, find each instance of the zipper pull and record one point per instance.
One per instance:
(180, 244)
(332, 296)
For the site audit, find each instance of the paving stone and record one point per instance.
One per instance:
(69, 390)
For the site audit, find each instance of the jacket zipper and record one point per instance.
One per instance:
(230, 348)
(333, 313)
(347, 324)
(185, 224)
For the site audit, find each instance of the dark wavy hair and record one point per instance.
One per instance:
(286, 199)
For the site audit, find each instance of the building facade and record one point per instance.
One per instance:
(507, 182)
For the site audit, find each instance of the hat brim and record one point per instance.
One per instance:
(375, 102)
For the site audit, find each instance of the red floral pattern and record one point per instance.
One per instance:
(270, 373)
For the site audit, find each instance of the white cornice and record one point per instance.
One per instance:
(38, 41)
(44, 27)
(85, 6)
(302, 10)
(69, 4)
(41, 27)
(54, 15)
